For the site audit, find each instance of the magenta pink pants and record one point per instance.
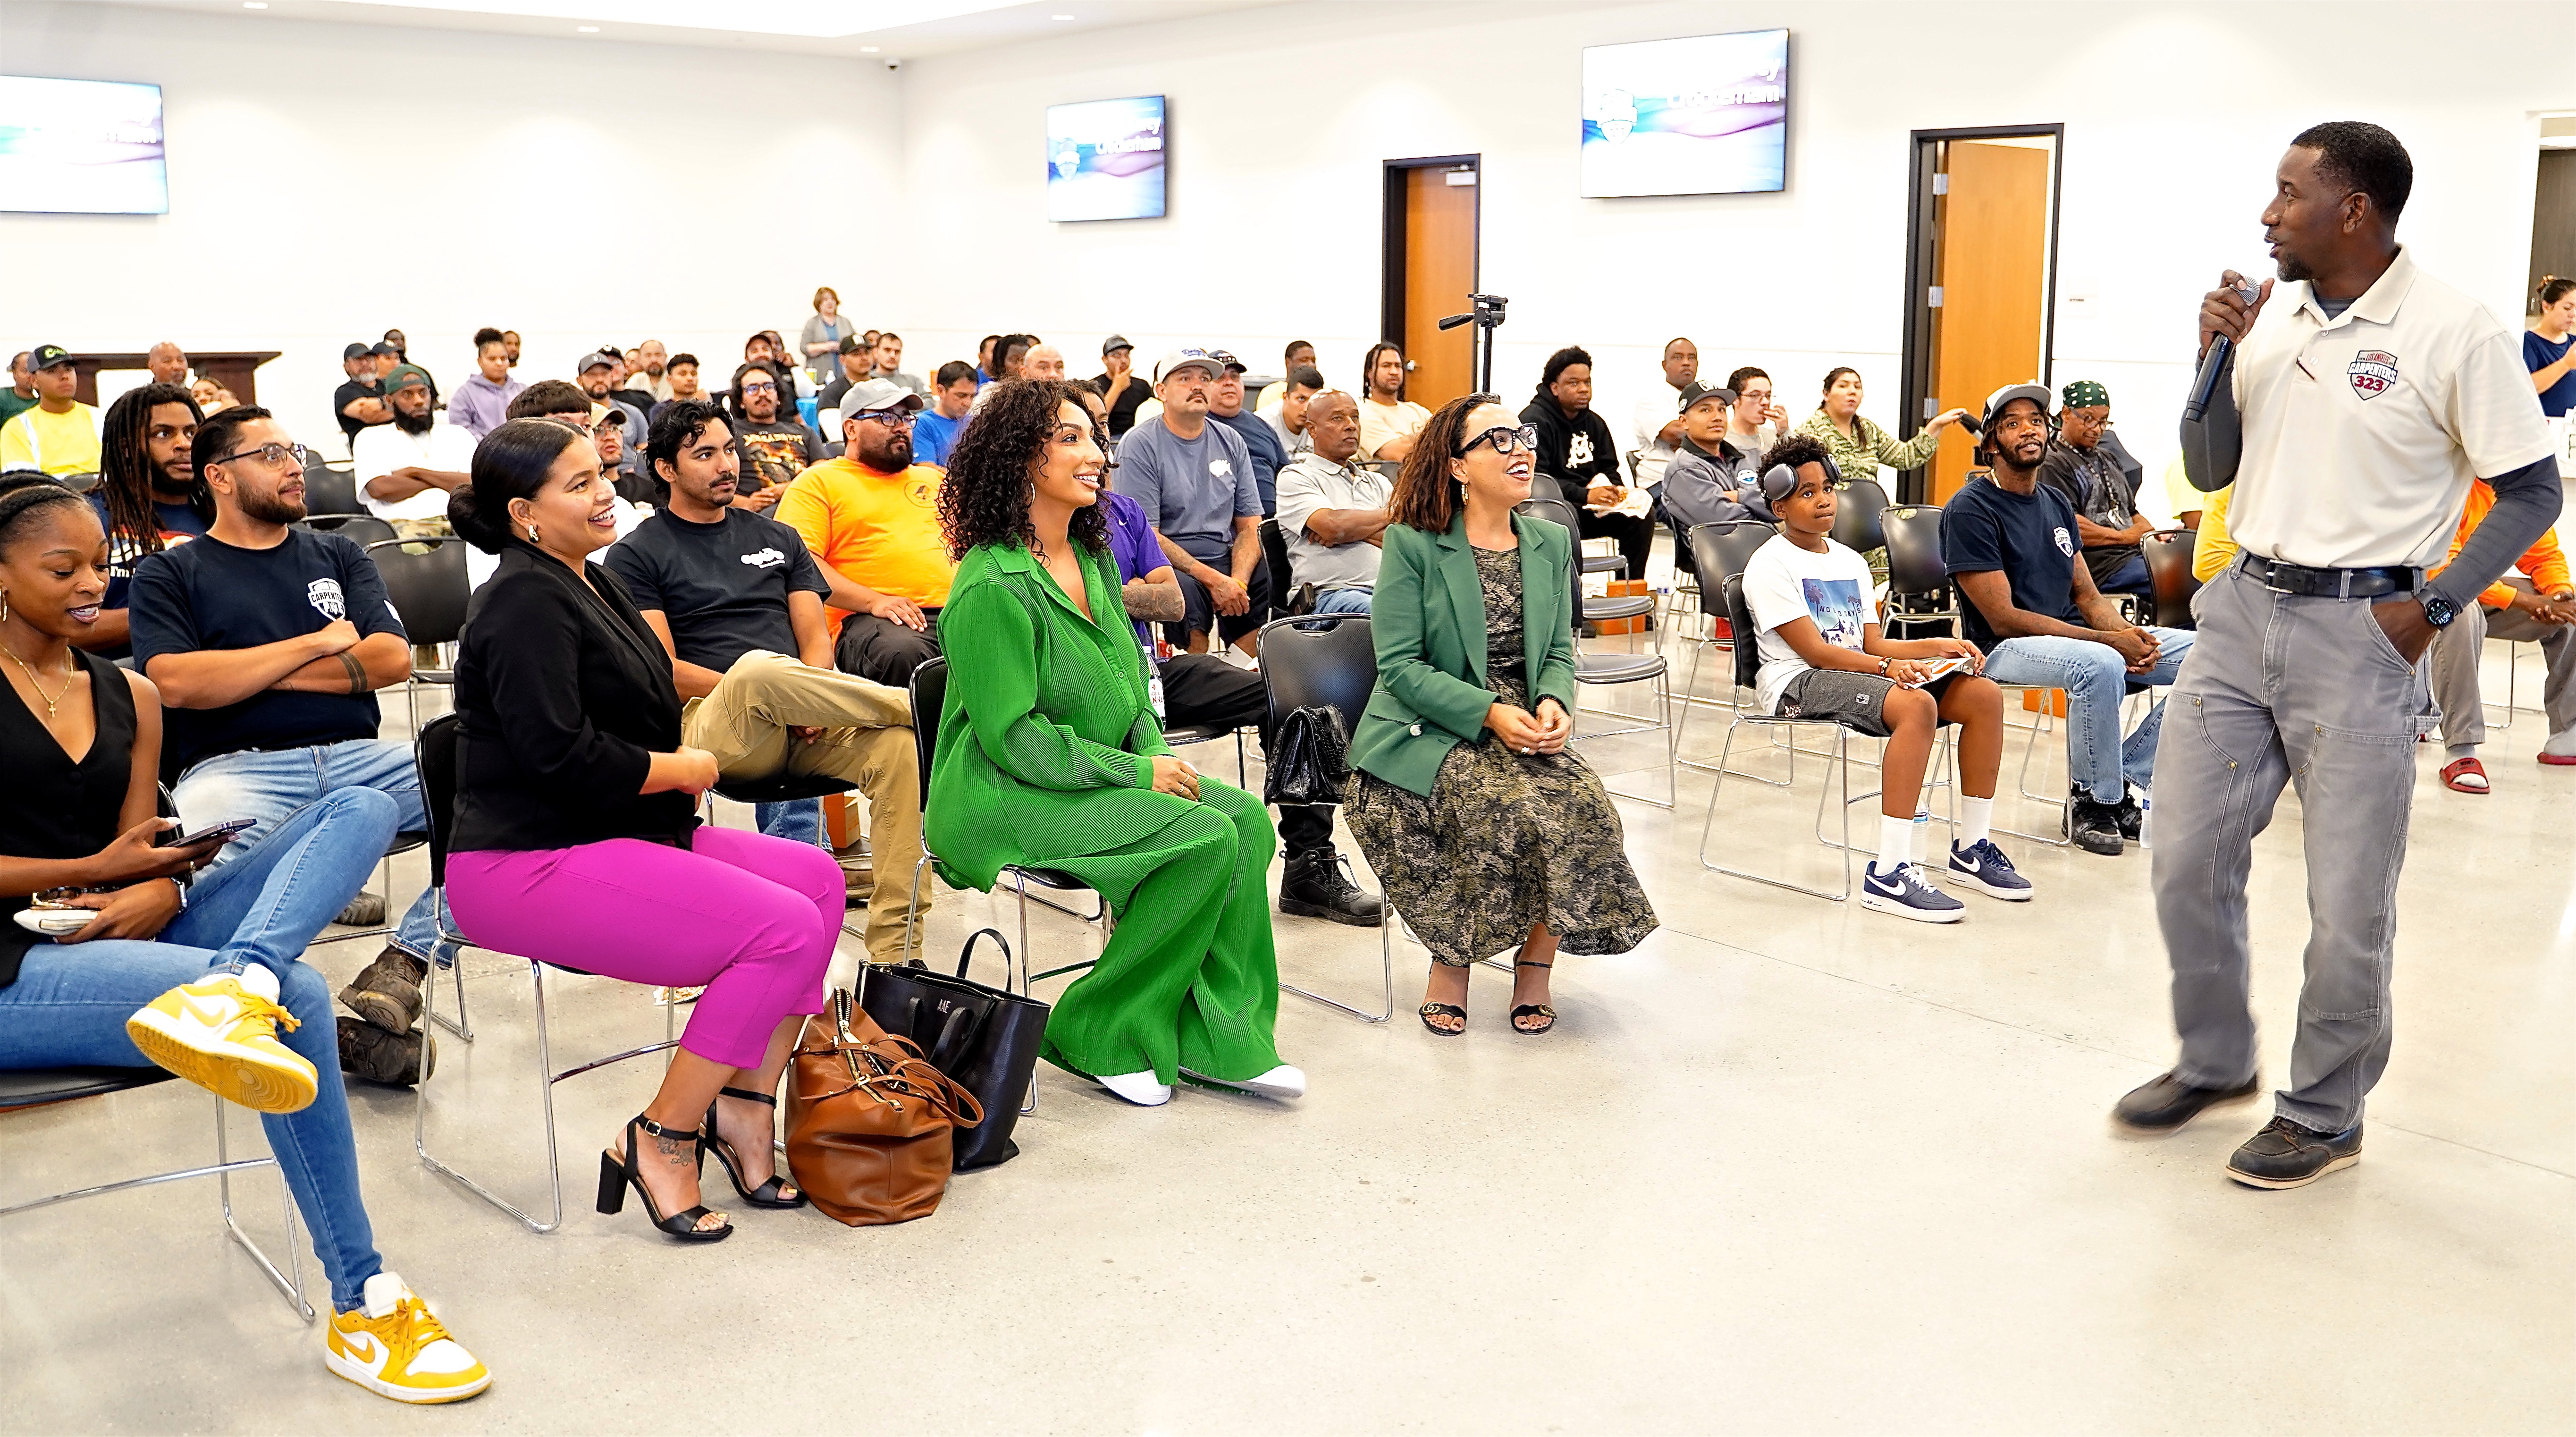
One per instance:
(751, 918)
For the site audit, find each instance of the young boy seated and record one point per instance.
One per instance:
(1822, 655)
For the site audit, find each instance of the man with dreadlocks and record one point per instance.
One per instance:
(147, 497)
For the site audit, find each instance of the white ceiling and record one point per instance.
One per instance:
(893, 28)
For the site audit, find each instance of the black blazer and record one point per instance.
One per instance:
(562, 696)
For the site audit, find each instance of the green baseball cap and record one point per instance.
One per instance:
(404, 376)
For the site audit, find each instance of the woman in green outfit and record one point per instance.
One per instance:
(1859, 446)
(1487, 831)
(1050, 755)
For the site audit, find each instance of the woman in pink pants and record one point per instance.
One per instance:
(577, 841)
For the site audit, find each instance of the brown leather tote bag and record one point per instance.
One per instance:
(870, 1123)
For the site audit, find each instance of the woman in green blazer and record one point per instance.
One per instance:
(1050, 755)
(1487, 831)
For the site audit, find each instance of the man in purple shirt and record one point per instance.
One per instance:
(482, 403)
(1203, 689)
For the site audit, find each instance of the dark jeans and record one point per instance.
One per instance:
(1636, 537)
(885, 651)
(1205, 689)
(1199, 612)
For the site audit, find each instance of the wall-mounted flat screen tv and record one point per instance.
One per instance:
(81, 147)
(1706, 115)
(1105, 159)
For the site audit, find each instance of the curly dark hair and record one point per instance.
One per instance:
(1425, 496)
(1796, 451)
(985, 498)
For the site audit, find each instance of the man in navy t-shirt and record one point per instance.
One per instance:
(2029, 602)
(145, 483)
(1204, 690)
(268, 643)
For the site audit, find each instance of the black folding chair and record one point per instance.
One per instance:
(1721, 551)
(1856, 515)
(2168, 554)
(1274, 552)
(1607, 669)
(360, 529)
(1327, 661)
(1919, 599)
(329, 491)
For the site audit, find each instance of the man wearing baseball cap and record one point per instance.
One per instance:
(600, 371)
(871, 520)
(1708, 480)
(2089, 465)
(360, 401)
(1195, 481)
(857, 361)
(1119, 384)
(2030, 605)
(406, 469)
(58, 434)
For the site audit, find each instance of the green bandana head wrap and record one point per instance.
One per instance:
(2086, 394)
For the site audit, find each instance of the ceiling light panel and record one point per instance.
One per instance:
(811, 19)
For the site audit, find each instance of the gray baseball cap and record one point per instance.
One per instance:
(859, 398)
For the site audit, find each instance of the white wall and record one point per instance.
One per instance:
(330, 181)
(2175, 116)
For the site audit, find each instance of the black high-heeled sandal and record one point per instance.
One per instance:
(1529, 1009)
(730, 1158)
(1429, 1011)
(616, 1174)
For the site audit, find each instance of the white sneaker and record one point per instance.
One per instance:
(393, 1346)
(1142, 1089)
(1280, 1082)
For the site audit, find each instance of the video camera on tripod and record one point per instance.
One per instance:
(1487, 316)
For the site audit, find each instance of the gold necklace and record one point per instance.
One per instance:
(54, 701)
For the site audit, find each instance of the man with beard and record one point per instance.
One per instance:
(773, 445)
(1194, 478)
(737, 601)
(147, 496)
(871, 518)
(268, 641)
(2009, 542)
(651, 372)
(598, 378)
(2089, 465)
(888, 351)
(1269, 456)
(360, 401)
(406, 469)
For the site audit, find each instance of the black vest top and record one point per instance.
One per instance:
(51, 807)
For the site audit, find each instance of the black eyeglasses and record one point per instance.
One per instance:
(1504, 438)
(270, 454)
(890, 418)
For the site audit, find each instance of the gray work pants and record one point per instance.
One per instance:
(2455, 666)
(2277, 690)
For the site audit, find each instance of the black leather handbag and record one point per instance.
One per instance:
(1309, 757)
(984, 1039)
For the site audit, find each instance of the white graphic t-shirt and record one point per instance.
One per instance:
(1784, 582)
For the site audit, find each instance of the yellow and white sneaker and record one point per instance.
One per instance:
(220, 1033)
(394, 1346)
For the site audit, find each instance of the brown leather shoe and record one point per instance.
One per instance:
(380, 1057)
(387, 992)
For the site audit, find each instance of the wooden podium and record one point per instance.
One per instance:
(234, 369)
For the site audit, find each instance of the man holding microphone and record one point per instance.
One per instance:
(2351, 422)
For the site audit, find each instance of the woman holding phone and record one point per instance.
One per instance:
(1487, 830)
(201, 980)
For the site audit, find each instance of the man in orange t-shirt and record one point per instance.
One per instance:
(2534, 604)
(871, 519)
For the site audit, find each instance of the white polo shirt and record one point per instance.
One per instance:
(381, 449)
(2362, 433)
(1653, 412)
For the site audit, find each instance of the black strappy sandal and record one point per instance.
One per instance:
(730, 1159)
(1525, 1010)
(1429, 1011)
(616, 1174)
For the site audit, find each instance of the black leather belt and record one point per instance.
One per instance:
(2298, 579)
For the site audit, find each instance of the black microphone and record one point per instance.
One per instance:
(2212, 364)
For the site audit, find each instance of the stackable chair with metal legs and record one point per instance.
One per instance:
(1328, 661)
(1608, 669)
(35, 1087)
(1720, 552)
(436, 751)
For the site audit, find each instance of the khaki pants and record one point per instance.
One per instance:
(2457, 648)
(866, 740)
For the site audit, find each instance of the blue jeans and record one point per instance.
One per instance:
(71, 1001)
(2095, 679)
(1343, 601)
(797, 820)
(270, 786)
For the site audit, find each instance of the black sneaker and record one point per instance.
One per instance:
(2129, 816)
(2095, 827)
(387, 992)
(2166, 1102)
(364, 911)
(379, 1057)
(2285, 1155)
(1314, 886)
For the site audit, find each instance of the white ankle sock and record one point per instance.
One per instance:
(1976, 821)
(2453, 752)
(1895, 842)
(253, 978)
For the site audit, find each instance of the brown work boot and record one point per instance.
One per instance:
(380, 1057)
(858, 873)
(387, 992)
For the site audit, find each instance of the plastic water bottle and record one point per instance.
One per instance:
(2146, 818)
(1922, 829)
(1153, 685)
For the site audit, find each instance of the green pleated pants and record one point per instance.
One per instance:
(1190, 978)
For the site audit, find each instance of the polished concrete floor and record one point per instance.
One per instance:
(1790, 1166)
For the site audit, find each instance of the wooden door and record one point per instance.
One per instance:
(1439, 274)
(1990, 260)
(2553, 219)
